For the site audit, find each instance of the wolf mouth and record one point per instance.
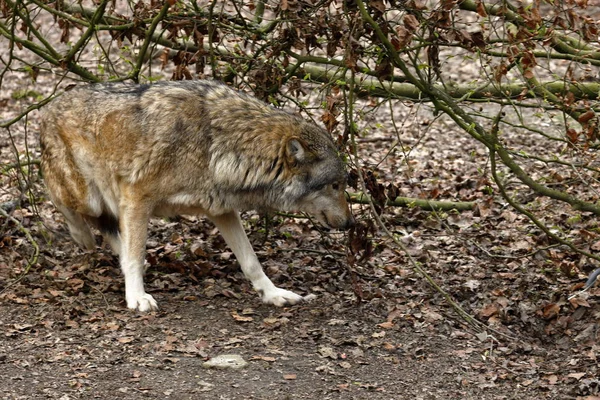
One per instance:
(325, 220)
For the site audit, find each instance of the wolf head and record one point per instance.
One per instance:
(318, 177)
(272, 159)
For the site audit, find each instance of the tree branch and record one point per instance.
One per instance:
(425, 204)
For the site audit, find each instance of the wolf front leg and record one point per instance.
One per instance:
(230, 226)
(134, 230)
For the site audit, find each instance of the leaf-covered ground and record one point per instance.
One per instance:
(376, 330)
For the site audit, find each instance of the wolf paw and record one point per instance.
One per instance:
(142, 302)
(281, 297)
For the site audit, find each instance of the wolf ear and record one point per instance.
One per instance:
(295, 151)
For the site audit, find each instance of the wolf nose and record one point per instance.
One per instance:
(350, 222)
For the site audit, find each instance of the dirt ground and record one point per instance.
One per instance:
(376, 329)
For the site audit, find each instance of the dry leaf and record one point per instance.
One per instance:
(240, 318)
(410, 22)
(72, 324)
(481, 9)
(579, 301)
(386, 325)
(576, 375)
(551, 310)
(586, 116)
(488, 311)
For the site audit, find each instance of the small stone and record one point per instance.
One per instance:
(205, 386)
(232, 361)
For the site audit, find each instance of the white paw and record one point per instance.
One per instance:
(280, 297)
(142, 302)
(309, 297)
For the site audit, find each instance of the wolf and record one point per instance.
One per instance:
(115, 154)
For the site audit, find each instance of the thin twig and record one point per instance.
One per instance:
(19, 165)
(36, 249)
(323, 252)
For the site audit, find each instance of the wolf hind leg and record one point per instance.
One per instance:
(230, 226)
(108, 225)
(114, 241)
(78, 227)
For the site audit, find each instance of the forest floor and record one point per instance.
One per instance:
(376, 329)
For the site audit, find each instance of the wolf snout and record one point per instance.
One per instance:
(346, 222)
(350, 223)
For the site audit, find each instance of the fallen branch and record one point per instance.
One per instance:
(428, 205)
(20, 165)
